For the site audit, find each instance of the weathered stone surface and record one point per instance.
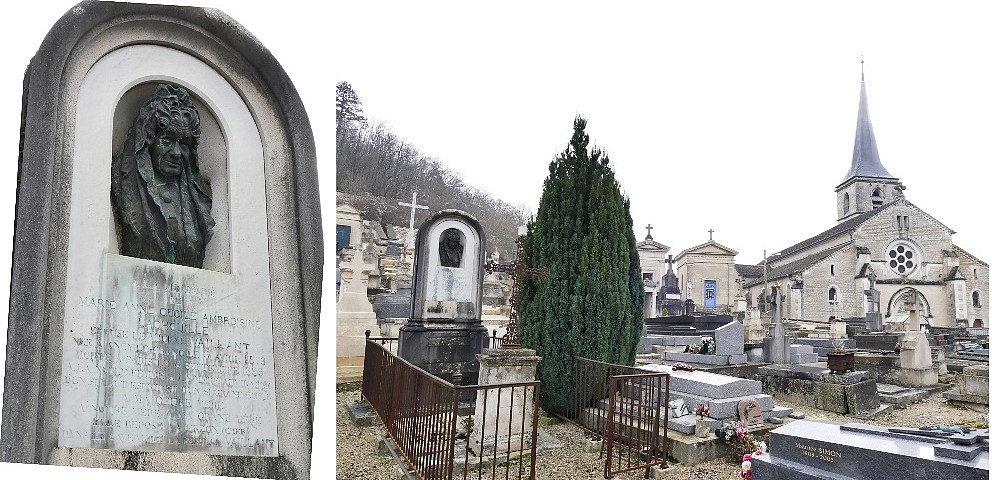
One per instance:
(713, 385)
(729, 339)
(445, 333)
(93, 61)
(861, 397)
(504, 414)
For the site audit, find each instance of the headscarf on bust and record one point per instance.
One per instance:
(138, 209)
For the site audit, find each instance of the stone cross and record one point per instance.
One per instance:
(711, 234)
(649, 227)
(413, 211)
(358, 267)
(517, 270)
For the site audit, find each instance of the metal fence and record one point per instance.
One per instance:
(442, 436)
(627, 407)
(494, 341)
(391, 343)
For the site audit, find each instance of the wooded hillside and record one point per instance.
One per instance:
(380, 169)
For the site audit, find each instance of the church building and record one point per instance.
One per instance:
(882, 253)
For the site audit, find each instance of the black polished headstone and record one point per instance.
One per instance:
(807, 449)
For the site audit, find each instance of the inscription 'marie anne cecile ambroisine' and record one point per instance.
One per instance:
(161, 205)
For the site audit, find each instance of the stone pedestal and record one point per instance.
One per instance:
(504, 416)
(915, 361)
(702, 428)
(354, 317)
(444, 348)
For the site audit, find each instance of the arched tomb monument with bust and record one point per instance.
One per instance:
(445, 331)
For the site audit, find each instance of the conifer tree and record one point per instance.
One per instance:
(590, 303)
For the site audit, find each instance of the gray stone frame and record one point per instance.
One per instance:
(79, 39)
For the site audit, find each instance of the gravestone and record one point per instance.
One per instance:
(729, 345)
(353, 317)
(749, 412)
(165, 308)
(723, 394)
(916, 367)
(445, 331)
(392, 310)
(972, 389)
(806, 449)
(776, 347)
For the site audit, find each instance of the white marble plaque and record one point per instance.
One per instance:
(164, 357)
(452, 284)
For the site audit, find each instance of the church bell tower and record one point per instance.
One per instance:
(867, 185)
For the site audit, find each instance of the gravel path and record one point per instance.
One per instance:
(358, 458)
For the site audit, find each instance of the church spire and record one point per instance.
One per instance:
(865, 162)
(867, 185)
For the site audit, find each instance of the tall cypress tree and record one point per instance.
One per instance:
(590, 304)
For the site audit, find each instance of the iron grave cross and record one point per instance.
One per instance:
(517, 270)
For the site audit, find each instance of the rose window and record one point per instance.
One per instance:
(902, 259)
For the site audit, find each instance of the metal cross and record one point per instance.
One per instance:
(711, 234)
(413, 210)
(649, 227)
(517, 270)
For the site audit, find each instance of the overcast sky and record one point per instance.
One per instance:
(734, 116)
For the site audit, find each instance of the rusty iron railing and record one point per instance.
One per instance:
(626, 406)
(391, 343)
(637, 404)
(440, 437)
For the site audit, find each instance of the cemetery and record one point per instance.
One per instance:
(677, 402)
(774, 397)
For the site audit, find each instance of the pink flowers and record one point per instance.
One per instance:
(746, 463)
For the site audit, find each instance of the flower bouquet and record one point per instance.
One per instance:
(746, 461)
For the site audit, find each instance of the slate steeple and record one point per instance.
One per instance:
(867, 185)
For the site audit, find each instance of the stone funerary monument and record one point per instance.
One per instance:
(165, 306)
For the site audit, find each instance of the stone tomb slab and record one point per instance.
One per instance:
(708, 384)
(806, 449)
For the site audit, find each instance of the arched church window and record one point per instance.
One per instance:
(976, 299)
(847, 202)
(902, 259)
(876, 198)
(832, 296)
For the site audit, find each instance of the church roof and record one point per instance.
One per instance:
(842, 227)
(865, 162)
(960, 251)
(790, 268)
(749, 271)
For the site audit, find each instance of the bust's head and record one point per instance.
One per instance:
(171, 127)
